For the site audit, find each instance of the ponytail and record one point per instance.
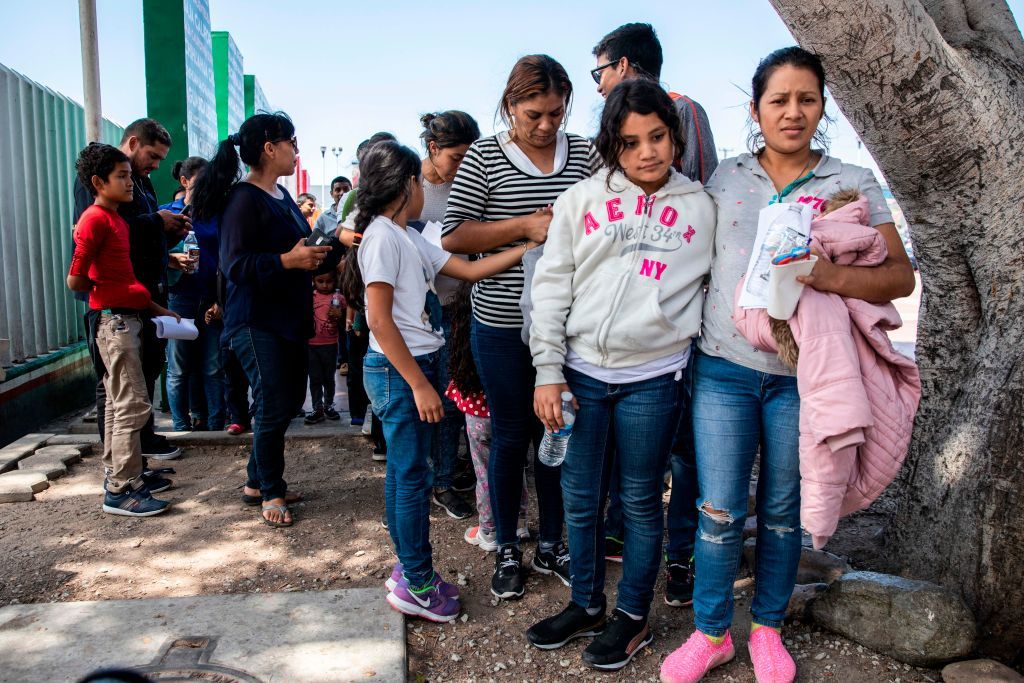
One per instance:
(211, 189)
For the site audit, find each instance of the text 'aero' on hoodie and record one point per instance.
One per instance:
(621, 277)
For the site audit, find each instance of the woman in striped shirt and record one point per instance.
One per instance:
(501, 197)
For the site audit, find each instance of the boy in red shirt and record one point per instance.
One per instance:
(101, 267)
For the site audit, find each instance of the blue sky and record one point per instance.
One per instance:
(345, 70)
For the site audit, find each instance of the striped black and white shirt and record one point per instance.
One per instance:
(490, 187)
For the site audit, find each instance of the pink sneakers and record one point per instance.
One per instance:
(772, 663)
(696, 657)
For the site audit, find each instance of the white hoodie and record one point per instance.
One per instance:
(621, 277)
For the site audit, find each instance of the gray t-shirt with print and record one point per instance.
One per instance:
(741, 188)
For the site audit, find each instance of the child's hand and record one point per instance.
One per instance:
(428, 403)
(157, 309)
(180, 261)
(547, 404)
(333, 313)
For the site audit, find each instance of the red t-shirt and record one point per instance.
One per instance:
(102, 255)
(325, 330)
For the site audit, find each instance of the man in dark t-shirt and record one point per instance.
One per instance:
(146, 143)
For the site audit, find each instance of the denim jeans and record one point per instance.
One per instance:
(189, 360)
(276, 368)
(506, 371)
(407, 480)
(236, 387)
(454, 422)
(632, 424)
(736, 411)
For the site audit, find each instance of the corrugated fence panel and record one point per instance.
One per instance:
(41, 133)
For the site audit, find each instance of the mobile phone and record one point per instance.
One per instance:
(187, 211)
(318, 238)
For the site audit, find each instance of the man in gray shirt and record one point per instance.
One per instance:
(633, 51)
(328, 220)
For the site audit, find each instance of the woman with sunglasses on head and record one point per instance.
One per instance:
(501, 198)
(268, 314)
(745, 402)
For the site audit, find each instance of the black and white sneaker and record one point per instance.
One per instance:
(452, 503)
(160, 449)
(679, 583)
(621, 639)
(571, 623)
(155, 483)
(554, 561)
(509, 580)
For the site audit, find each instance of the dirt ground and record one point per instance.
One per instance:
(63, 548)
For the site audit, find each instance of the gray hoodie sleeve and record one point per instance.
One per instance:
(700, 159)
(530, 259)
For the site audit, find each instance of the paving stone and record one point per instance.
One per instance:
(22, 448)
(66, 454)
(19, 487)
(50, 466)
(313, 637)
(84, 440)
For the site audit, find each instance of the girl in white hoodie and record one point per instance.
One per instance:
(617, 299)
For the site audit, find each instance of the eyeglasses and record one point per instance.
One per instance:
(294, 140)
(596, 73)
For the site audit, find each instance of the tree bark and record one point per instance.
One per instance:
(935, 89)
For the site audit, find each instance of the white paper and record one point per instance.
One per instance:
(779, 225)
(169, 328)
(432, 233)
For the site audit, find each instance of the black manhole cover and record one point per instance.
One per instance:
(188, 659)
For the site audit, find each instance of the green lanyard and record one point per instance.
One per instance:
(788, 189)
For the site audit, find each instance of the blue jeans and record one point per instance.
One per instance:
(188, 361)
(454, 422)
(276, 368)
(736, 411)
(506, 371)
(622, 430)
(408, 478)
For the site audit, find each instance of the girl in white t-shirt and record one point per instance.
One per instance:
(617, 297)
(397, 267)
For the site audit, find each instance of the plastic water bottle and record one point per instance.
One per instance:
(336, 300)
(553, 445)
(191, 245)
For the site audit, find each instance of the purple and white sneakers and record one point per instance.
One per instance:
(430, 602)
(448, 590)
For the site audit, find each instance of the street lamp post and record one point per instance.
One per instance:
(323, 171)
(337, 159)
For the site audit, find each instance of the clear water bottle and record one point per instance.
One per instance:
(191, 245)
(553, 445)
(336, 300)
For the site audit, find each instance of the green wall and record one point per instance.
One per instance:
(230, 84)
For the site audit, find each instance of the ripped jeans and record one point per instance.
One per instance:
(736, 412)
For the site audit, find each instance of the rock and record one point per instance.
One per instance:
(68, 454)
(803, 596)
(750, 527)
(916, 622)
(818, 566)
(19, 449)
(83, 440)
(51, 467)
(19, 487)
(980, 671)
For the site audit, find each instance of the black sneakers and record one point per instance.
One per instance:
(331, 414)
(509, 579)
(315, 417)
(679, 583)
(622, 638)
(159, 448)
(452, 503)
(554, 561)
(571, 623)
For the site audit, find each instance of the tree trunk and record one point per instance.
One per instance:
(935, 88)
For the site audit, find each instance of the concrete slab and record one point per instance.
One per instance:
(50, 466)
(68, 455)
(314, 637)
(83, 440)
(22, 448)
(19, 487)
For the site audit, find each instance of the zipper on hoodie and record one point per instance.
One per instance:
(634, 258)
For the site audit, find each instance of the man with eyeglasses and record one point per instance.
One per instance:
(633, 51)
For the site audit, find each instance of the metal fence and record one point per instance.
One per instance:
(41, 133)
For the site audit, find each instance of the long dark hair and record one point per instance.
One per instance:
(461, 368)
(635, 96)
(787, 56)
(384, 173)
(211, 190)
(189, 168)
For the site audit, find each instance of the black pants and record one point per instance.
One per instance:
(322, 358)
(357, 398)
(236, 388)
(153, 359)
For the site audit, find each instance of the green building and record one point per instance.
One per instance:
(255, 101)
(230, 83)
